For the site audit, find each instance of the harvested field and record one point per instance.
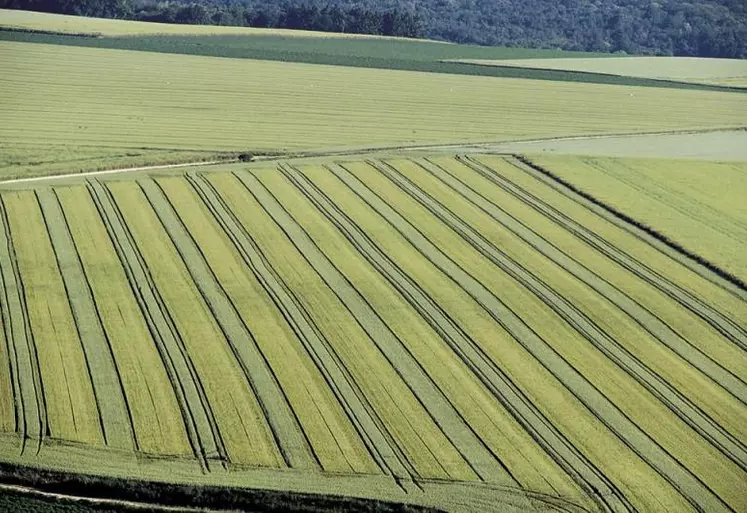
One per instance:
(460, 332)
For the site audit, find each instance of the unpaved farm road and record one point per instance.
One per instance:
(711, 144)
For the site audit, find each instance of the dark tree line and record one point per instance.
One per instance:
(305, 16)
(709, 28)
(353, 19)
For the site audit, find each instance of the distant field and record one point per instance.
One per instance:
(462, 328)
(699, 70)
(302, 47)
(700, 205)
(128, 100)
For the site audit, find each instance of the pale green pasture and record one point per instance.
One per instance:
(99, 98)
(699, 70)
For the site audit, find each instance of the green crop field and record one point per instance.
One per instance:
(698, 70)
(699, 205)
(115, 108)
(454, 332)
(404, 302)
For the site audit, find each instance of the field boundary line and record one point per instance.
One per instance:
(367, 425)
(228, 320)
(695, 262)
(483, 146)
(152, 312)
(585, 326)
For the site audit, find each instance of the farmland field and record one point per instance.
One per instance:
(460, 332)
(699, 70)
(111, 103)
(699, 205)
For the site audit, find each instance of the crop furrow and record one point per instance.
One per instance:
(539, 429)
(564, 308)
(369, 428)
(722, 323)
(271, 405)
(396, 350)
(594, 402)
(195, 418)
(115, 424)
(570, 264)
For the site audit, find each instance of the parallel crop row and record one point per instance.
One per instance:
(421, 322)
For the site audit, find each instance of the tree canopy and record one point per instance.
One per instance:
(707, 28)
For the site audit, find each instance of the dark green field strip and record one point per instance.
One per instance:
(389, 337)
(411, 427)
(180, 374)
(570, 303)
(237, 421)
(330, 434)
(72, 412)
(115, 422)
(151, 402)
(379, 54)
(369, 428)
(580, 205)
(664, 282)
(589, 403)
(514, 214)
(30, 408)
(285, 429)
(621, 388)
(493, 376)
